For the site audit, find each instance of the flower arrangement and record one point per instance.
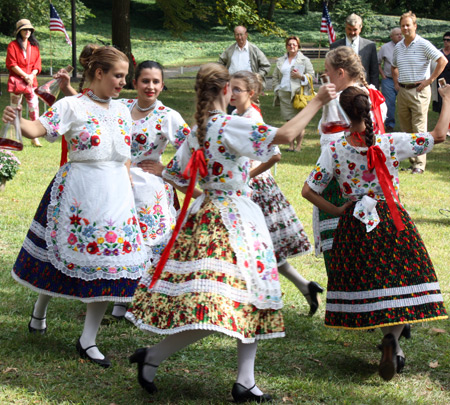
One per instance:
(9, 165)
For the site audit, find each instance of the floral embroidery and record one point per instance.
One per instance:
(89, 137)
(53, 121)
(152, 219)
(258, 135)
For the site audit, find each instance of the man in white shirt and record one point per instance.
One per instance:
(366, 49)
(243, 55)
(385, 55)
(412, 80)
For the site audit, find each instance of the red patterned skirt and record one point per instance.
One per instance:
(378, 278)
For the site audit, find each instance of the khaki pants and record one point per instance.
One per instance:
(412, 109)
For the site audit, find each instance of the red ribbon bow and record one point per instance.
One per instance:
(197, 163)
(376, 159)
(376, 98)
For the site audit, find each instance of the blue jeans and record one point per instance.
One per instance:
(390, 94)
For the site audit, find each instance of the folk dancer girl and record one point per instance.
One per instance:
(221, 274)
(380, 274)
(84, 242)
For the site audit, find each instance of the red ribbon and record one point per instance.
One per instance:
(376, 98)
(376, 159)
(63, 160)
(197, 163)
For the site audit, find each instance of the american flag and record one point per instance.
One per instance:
(56, 23)
(326, 25)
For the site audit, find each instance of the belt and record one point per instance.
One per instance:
(409, 86)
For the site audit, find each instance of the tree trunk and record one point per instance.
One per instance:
(271, 10)
(121, 33)
(258, 7)
(305, 9)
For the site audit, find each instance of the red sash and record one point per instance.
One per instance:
(377, 99)
(196, 163)
(376, 159)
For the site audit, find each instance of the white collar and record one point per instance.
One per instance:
(244, 48)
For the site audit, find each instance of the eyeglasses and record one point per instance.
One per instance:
(446, 39)
(236, 91)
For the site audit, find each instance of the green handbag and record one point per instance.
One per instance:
(300, 99)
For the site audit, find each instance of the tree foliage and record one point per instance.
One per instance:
(362, 8)
(38, 12)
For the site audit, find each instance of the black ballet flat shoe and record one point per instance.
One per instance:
(406, 332)
(105, 363)
(139, 357)
(388, 362)
(34, 330)
(313, 289)
(400, 364)
(242, 394)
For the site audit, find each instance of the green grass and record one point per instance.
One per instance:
(312, 364)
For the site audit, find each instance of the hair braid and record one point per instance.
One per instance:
(211, 79)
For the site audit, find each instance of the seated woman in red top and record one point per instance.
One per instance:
(23, 60)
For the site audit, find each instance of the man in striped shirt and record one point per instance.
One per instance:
(412, 80)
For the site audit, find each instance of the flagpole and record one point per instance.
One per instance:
(51, 51)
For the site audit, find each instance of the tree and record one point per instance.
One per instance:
(38, 12)
(121, 33)
(360, 7)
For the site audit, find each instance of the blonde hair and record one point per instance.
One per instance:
(211, 79)
(344, 57)
(253, 81)
(409, 14)
(94, 57)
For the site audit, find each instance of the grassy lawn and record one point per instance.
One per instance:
(312, 364)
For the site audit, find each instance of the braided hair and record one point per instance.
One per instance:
(211, 79)
(95, 57)
(356, 105)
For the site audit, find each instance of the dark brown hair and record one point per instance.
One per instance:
(356, 105)
(211, 79)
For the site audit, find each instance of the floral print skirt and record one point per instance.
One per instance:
(202, 287)
(288, 236)
(379, 278)
(43, 267)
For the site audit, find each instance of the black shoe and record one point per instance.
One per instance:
(139, 357)
(400, 364)
(313, 289)
(83, 354)
(34, 330)
(388, 362)
(406, 332)
(242, 394)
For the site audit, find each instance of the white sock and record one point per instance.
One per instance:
(94, 315)
(246, 366)
(119, 309)
(168, 346)
(40, 311)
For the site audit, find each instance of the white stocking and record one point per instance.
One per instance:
(168, 346)
(246, 365)
(40, 311)
(94, 315)
(119, 309)
(294, 277)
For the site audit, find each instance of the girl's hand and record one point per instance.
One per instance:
(341, 210)
(9, 113)
(152, 167)
(326, 93)
(64, 78)
(444, 91)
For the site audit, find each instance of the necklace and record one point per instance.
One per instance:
(91, 94)
(145, 109)
(213, 112)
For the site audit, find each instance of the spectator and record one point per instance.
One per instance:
(366, 49)
(412, 80)
(291, 72)
(243, 55)
(436, 97)
(387, 83)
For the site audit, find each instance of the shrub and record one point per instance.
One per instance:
(9, 165)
